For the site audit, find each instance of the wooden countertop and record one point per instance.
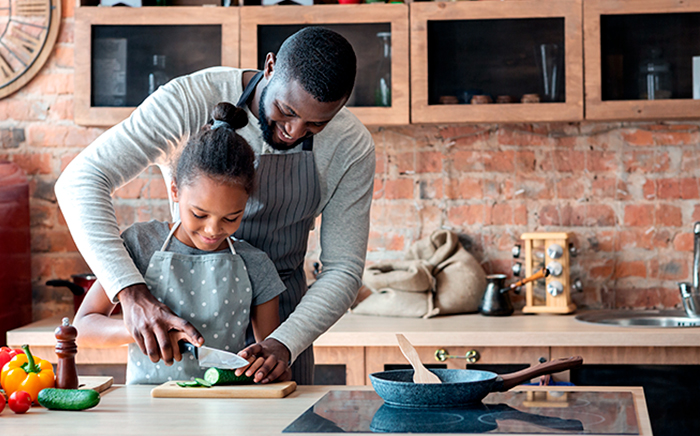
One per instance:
(460, 330)
(131, 410)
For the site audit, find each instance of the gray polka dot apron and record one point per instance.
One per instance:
(212, 291)
(277, 220)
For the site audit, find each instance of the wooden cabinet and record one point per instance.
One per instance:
(368, 27)
(463, 49)
(123, 54)
(638, 58)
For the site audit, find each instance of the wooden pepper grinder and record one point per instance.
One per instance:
(66, 349)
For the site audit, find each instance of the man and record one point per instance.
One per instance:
(314, 158)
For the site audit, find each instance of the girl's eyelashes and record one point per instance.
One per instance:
(231, 220)
(228, 220)
(199, 217)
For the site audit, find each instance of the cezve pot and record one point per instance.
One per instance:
(459, 386)
(79, 286)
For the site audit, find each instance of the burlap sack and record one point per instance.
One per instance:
(438, 277)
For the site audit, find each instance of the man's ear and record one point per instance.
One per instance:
(269, 67)
(173, 190)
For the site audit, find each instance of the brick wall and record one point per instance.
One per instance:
(629, 191)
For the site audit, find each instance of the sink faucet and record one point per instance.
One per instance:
(690, 293)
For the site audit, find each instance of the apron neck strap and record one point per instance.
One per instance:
(172, 232)
(249, 89)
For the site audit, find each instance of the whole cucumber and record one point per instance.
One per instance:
(68, 399)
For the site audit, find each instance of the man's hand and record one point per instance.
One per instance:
(150, 323)
(270, 364)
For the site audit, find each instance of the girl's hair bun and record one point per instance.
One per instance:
(235, 116)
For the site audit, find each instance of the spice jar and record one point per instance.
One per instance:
(448, 99)
(530, 98)
(504, 99)
(481, 99)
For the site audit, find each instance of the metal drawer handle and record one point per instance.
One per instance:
(472, 356)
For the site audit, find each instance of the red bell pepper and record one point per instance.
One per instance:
(6, 354)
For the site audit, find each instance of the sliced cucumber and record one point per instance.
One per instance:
(218, 377)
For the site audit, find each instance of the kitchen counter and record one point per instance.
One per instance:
(131, 410)
(364, 344)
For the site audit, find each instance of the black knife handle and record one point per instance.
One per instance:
(186, 347)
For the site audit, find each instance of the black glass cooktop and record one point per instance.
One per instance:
(608, 413)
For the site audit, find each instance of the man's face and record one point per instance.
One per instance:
(288, 115)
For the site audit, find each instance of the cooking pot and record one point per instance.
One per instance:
(79, 286)
(479, 418)
(459, 387)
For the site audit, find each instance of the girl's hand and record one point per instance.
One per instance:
(270, 364)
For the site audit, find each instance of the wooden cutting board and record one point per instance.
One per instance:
(96, 383)
(270, 390)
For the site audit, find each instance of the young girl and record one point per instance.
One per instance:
(194, 266)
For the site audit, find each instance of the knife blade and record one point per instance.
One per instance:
(212, 357)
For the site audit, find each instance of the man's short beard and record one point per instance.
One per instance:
(266, 128)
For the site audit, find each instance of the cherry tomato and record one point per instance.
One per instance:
(2, 402)
(20, 401)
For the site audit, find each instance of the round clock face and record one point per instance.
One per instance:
(28, 31)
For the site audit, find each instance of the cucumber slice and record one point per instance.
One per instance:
(203, 382)
(218, 376)
(188, 384)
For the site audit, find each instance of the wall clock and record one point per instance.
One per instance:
(28, 31)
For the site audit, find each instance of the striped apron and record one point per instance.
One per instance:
(277, 220)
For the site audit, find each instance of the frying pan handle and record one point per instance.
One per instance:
(513, 379)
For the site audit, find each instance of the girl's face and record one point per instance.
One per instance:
(210, 212)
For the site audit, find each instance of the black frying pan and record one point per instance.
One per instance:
(459, 386)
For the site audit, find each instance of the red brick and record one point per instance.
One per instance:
(12, 108)
(50, 135)
(651, 298)
(394, 215)
(669, 189)
(61, 109)
(66, 159)
(525, 161)
(458, 131)
(429, 162)
(499, 161)
(158, 189)
(598, 268)
(476, 141)
(501, 214)
(568, 161)
(649, 189)
(385, 241)
(639, 215)
(549, 215)
(683, 242)
(690, 160)
(638, 137)
(668, 215)
(600, 215)
(602, 161)
(571, 187)
(466, 215)
(696, 213)
(430, 189)
(42, 215)
(398, 189)
(600, 241)
(126, 214)
(65, 33)
(35, 163)
(676, 138)
(67, 8)
(381, 163)
(517, 137)
(159, 211)
(405, 163)
(630, 239)
(630, 269)
(463, 188)
(133, 189)
(565, 141)
(689, 188)
(51, 83)
(62, 56)
(520, 215)
(54, 241)
(431, 219)
(603, 188)
(532, 187)
(668, 269)
(378, 189)
(573, 215)
(639, 161)
(466, 161)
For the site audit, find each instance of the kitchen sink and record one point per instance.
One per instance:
(640, 318)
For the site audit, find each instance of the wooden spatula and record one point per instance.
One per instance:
(421, 374)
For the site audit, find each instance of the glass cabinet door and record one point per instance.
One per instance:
(642, 59)
(124, 54)
(496, 61)
(378, 34)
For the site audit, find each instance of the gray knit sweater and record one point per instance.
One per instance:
(153, 134)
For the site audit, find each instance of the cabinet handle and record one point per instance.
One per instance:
(472, 356)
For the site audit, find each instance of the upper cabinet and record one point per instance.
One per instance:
(496, 61)
(377, 32)
(639, 59)
(124, 54)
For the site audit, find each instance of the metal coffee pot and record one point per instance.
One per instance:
(496, 299)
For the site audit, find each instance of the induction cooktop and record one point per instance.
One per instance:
(513, 412)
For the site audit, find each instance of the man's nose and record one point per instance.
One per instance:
(296, 129)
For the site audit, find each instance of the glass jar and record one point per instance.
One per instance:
(382, 93)
(158, 75)
(654, 77)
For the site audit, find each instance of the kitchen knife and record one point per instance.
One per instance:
(211, 357)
